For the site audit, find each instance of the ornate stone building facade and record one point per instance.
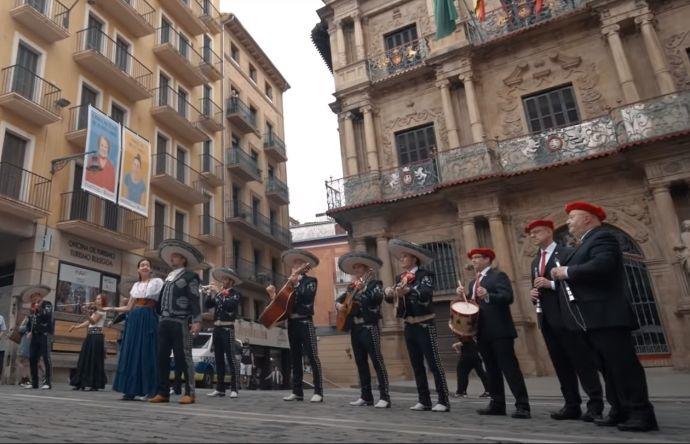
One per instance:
(458, 142)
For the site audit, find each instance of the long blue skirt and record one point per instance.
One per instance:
(137, 365)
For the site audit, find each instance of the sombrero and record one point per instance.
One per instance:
(291, 255)
(170, 246)
(399, 246)
(221, 273)
(33, 289)
(347, 261)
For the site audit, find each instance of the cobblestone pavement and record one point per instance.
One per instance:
(63, 415)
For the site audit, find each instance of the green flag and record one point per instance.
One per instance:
(445, 17)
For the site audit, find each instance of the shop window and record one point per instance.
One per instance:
(79, 285)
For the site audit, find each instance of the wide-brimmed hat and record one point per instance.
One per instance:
(33, 289)
(347, 261)
(293, 254)
(170, 246)
(399, 246)
(221, 273)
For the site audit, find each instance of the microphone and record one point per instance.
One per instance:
(568, 290)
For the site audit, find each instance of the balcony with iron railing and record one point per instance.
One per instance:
(277, 191)
(177, 178)
(211, 230)
(174, 110)
(78, 125)
(158, 233)
(241, 117)
(211, 115)
(517, 15)
(250, 219)
(397, 61)
(188, 14)
(274, 147)
(136, 16)
(29, 95)
(91, 217)
(210, 64)
(623, 127)
(179, 56)
(211, 170)
(241, 165)
(211, 17)
(257, 276)
(48, 19)
(23, 193)
(113, 64)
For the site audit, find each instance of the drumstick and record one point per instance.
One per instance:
(462, 290)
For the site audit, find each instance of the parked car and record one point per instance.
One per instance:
(205, 360)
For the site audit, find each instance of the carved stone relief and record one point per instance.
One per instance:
(674, 47)
(407, 14)
(414, 118)
(559, 68)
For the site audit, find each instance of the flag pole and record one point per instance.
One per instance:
(470, 14)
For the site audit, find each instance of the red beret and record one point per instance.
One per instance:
(588, 207)
(487, 252)
(538, 223)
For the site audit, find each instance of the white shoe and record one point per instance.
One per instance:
(172, 392)
(419, 407)
(233, 395)
(316, 398)
(141, 398)
(293, 397)
(440, 408)
(216, 394)
(45, 387)
(28, 386)
(359, 403)
(382, 404)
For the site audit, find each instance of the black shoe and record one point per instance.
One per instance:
(609, 421)
(639, 425)
(492, 411)
(567, 413)
(521, 413)
(127, 398)
(590, 416)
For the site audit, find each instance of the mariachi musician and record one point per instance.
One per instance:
(225, 303)
(413, 297)
(363, 323)
(40, 325)
(572, 357)
(301, 331)
(496, 334)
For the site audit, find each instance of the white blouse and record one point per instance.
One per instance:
(101, 321)
(147, 290)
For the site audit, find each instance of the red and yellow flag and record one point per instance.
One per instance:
(480, 10)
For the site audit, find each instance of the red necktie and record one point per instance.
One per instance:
(542, 264)
(476, 284)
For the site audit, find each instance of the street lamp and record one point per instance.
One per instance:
(58, 164)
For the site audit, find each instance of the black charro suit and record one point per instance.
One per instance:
(496, 336)
(596, 277)
(570, 354)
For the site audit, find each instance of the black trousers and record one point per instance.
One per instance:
(366, 343)
(499, 357)
(626, 382)
(573, 358)
(422, 342)
(39, 348)
(467, 362)
(173, 335)
(224, 345)
(302, 339)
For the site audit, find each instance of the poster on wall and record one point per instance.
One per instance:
(103, 140)
(135, 173)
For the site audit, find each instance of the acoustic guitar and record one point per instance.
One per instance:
(281, 306)
(351, 301)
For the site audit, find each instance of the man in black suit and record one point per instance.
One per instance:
(496, 334)
(593, 277)
(572, 357)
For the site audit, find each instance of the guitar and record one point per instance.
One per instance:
(281, 306)
(351, 300)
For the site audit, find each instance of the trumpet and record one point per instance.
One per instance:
(206, 289)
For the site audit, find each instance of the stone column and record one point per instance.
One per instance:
(501, 247)
(473, 108)
(360, 245)
(359, 37)
(370, 136)
(386, 276)
(350, 150)
(667, 215)
(469, 234)
(625, 77)
(449, 113)
(655, 54)
(333, 38)
(340, 41)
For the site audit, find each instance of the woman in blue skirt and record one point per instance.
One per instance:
(137, 366)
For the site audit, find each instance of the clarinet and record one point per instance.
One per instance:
(537, 305)
(568, 290)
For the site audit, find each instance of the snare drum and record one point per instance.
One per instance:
(463, 318)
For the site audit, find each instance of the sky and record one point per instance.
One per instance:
(283, 30)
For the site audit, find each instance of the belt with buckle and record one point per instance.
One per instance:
(358, 321)
(224, 324)
(93, 330)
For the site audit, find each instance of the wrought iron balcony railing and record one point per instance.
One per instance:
(56, 12)
(166, 165)
(237, 106)
(237, 156)
(256, 274)
(166, 34)
(398, 60)
(82, 206)
(158, 233)
(210, 57)
(275, 185)
(271, 140)
(23, 186)
(210, 110)
(211, 165)
(211, 227)
(34, 88)
(516, 15)
(239, 210)
(173, 99)
(623, 127)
